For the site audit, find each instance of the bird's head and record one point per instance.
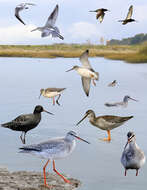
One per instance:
(71, 135)
(41, 92)
(73, 68)
(39, 109)
(131, 138)
(89, 114)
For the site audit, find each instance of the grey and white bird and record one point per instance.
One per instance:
(20, 8)
(50, 28)
(56, 148)
(124, 103)
(86, 72)
(132, 157)
(100, 13)
(128, 18)
(112, 84)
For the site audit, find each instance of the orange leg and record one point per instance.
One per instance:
(66, 180)
(44, 175)
(109, 136)
(53, 100)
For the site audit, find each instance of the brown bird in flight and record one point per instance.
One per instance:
(100, 13)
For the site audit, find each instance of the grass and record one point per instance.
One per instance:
(130, 54)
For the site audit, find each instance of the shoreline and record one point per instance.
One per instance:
(24, 180)
(129, 54)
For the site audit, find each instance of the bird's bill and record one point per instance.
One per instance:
(34, 30)
(39, 96)
(79, 138)
(129, 140)
(126, 145)
(70, 69)
(133, 99)
(82, 119)
(48, 112)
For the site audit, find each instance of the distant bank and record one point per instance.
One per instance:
(127, 53)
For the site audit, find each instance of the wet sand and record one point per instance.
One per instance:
(22, 180)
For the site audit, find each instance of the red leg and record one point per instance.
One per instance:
(53, 100)
(66, 180)
(125, 172)
(136, 172)
(44, 175)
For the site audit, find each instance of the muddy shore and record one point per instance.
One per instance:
(22, 180)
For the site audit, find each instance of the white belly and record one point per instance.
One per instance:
(51, 94)
(86, 73)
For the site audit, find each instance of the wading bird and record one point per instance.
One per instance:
(50, 28)
(132, 157)
(105, 122)
(21, 7)
(124, 103)
(86, 72)
(53, 149)
(128, 18)
(100, 13)
(26, 122)
(51, 93)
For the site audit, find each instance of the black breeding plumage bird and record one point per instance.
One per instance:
(128, 18)
(100, 13)
(26, 122)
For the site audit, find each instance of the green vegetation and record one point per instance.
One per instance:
(137, 39)
(128, 53)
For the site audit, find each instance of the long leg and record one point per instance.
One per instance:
(94, 82)
(66, 180)
(125, 172)
(58, 99)
(44, 175)
(24, 138)
(109, 136)
(137, 172)
(21, 137)
(53, 100)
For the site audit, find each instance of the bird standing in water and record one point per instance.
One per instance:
(26, 122)
(86, 72)
(100, 13)
(106, 122)
(132, 157)
(53, 149)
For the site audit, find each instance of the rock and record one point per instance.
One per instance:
(23, 180)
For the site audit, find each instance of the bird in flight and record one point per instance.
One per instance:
(100, 13)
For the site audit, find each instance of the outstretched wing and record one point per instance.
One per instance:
(86, 85)
(84, 60)
(101, 17)
(17, 10)
(53, 17)
(129, 15)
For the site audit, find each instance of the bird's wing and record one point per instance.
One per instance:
(53, 146)
(101, 17)
(86, 85)
(110, 104)
(17, 10)
(115, 119)
(54, 89)
(53, 17)
(30, 4)
(84, 60)
(129, 15)
(98, 14)
(128, 155)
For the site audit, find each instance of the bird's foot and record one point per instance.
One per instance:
(57, 102)
(106, 139)
(48, 186)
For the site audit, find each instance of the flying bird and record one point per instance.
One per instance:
(50, 28)
(51, 93)
(86, 72)
(128, 18)
(26, 122)
(105, 122)
(132, 157)
(124, 103)
(55, 148)
(21, 7)
(100, 13)
(112, 84)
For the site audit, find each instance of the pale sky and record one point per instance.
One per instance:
(75, 22)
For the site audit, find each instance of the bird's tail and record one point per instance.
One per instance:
(120, 20)
(109, 105)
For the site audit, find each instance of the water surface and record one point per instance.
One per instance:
(97, 165)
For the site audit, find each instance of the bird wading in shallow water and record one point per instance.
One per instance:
(106, 122)
(86, 72)
(21, 7)
(128, 18)
(100, 13)
(132, 157)
(51, 93)
(50, 28)
(53, 149)
(26, 122)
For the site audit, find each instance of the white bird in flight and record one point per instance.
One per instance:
(21, 7)
(50, 28)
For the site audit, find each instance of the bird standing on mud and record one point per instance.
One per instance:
(26, 122)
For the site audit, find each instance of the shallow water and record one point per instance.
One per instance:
(97, 165)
